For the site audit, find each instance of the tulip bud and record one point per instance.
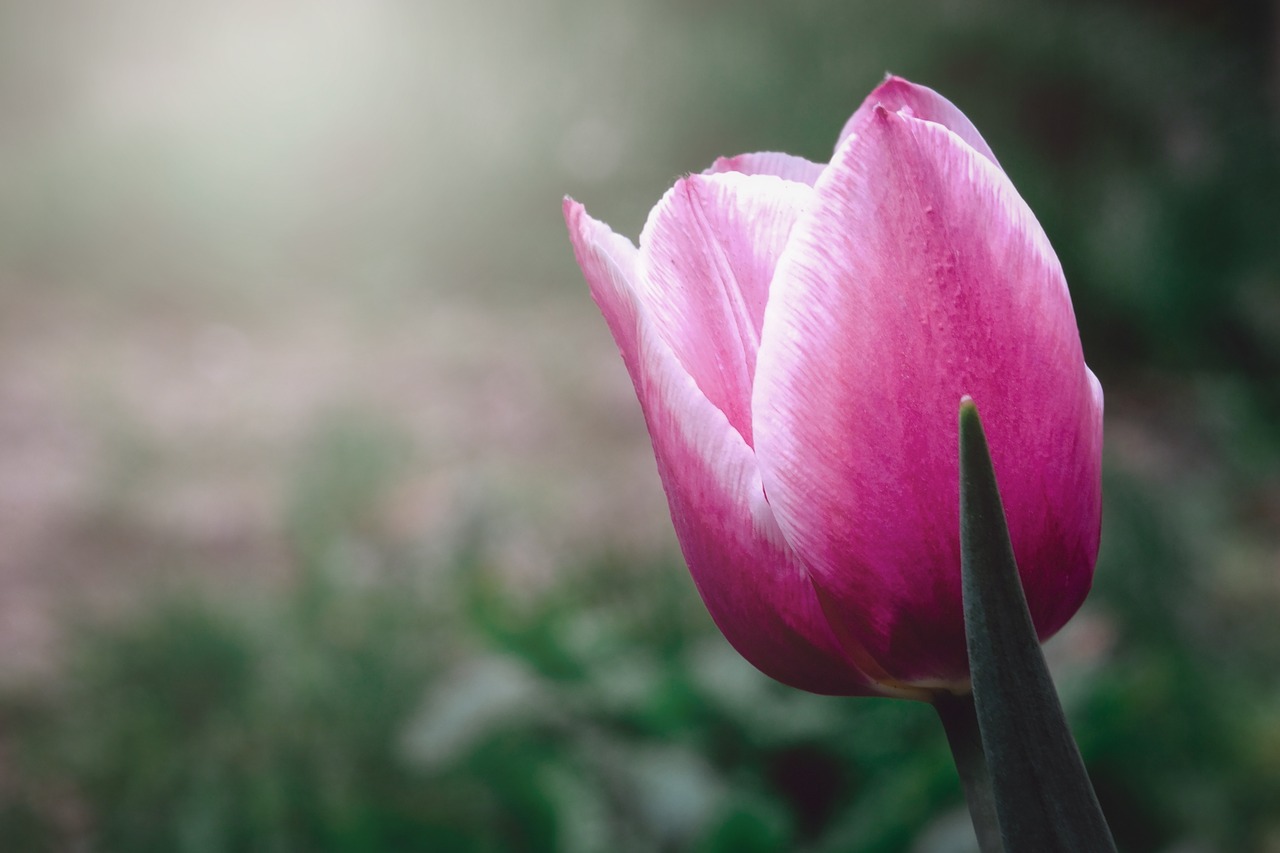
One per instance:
(799, 337)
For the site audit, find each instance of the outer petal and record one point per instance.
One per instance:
(917, 276)
(786, 166)
(753, 586)
(707, 255)
(901, 96)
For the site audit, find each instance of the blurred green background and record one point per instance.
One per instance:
(328, 521)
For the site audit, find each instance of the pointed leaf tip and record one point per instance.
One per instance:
(1044, 799)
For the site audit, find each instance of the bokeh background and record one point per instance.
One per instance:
(328, 521)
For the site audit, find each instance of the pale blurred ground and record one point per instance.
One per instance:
(222, 224)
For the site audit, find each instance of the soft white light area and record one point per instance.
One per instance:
(248, 144)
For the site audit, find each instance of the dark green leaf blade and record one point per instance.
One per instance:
(1044, 799)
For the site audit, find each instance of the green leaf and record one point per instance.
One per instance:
(1044, 799)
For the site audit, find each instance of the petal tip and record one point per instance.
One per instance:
(893, 81)
(724, 164)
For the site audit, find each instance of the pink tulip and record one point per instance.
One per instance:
(800, 337)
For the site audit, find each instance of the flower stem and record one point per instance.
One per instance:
(960, 722)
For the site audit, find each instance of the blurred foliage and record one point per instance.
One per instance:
(396, 699)
(452, 710)
(446, 708)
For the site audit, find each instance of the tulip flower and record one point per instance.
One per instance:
(800, 336)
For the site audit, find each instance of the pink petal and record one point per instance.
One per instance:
(898, 95)
(786, 166)
(610, 264)
(707, 254)
(753, 586)
(917, 276)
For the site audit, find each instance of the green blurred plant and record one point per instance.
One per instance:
(447, 710)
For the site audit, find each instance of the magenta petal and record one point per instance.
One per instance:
(786, 166)
(898, 95)
(753, 585)
(708, 253)
(918, 275)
